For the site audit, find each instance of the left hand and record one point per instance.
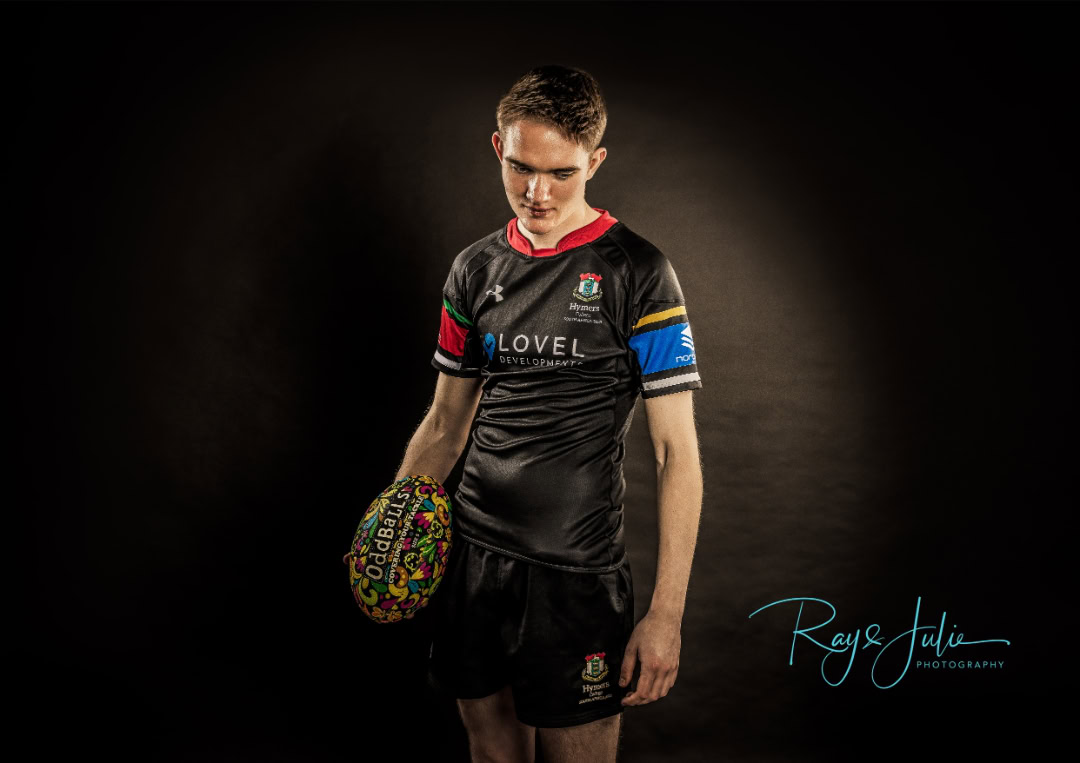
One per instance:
(655, 644)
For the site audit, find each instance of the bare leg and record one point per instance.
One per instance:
(495, 733)
(596, 742)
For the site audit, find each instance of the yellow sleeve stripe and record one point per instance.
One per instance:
(660, 316)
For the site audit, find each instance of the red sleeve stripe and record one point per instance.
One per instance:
(451, 335)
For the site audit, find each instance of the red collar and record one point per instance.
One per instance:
(582, 235)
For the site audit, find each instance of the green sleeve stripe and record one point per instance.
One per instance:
(457, 316)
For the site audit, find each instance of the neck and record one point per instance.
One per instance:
(549, 240)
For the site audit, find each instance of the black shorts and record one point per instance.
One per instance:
(556, 636)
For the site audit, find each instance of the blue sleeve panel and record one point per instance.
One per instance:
(664, 348)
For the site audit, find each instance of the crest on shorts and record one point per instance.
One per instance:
(589, 287)
(595, 667)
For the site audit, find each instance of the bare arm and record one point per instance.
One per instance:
(437, 443)
(656, 641)
(679, 494)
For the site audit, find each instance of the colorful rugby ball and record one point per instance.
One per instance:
(400, 550)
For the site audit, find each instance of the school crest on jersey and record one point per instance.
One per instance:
(595, 667)
(588, 287)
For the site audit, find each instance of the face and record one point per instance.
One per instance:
(544, 175)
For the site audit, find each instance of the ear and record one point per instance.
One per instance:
(598, 157)
(496, 141)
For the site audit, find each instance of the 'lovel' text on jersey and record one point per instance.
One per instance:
(521, 343)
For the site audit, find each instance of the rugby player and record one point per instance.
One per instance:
(551, 327)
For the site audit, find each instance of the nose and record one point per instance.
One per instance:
(539, 189)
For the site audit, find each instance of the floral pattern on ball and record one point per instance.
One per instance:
(401, 548)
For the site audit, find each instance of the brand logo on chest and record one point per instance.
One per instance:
(555, 346)
(588, 288)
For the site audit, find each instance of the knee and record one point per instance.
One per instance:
(501, 743)
(495, 734)
(493, 721)
(479, 754)
(500, 739)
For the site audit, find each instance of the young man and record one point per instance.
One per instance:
(552, 326)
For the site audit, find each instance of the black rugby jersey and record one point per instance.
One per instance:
(565, 339)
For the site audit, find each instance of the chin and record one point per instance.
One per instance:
(536, 226)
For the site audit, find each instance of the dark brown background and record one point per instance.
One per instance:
(230, 225)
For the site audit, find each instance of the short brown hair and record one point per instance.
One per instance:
(566, 98)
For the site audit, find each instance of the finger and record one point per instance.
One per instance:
(652, 683)
(646, 683)
(628, 664)
(669, 682)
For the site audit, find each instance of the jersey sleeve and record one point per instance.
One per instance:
(660, 338)
(457, 351)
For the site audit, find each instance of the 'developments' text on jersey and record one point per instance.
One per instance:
(566, 340)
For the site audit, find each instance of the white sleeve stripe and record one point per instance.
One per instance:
(450, 363)
(447, 362)
(671, 380)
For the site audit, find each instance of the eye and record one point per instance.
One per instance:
(564, 175)
(520, 170)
